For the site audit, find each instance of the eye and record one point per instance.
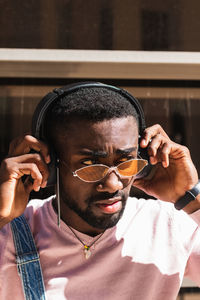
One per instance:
(88, 162)
(123, 159)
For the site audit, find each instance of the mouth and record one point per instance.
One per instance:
(110, 206)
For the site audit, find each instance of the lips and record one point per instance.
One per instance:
(110, 206)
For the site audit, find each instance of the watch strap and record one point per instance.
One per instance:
(188, 197)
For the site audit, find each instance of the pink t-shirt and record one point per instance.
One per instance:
(143, 258)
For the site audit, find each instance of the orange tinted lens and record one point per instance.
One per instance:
(92, 173)
(131, 167)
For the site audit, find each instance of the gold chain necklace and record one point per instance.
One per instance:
(87, 251)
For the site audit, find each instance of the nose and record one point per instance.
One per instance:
(111, 183)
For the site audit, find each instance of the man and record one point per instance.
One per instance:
(107, 245)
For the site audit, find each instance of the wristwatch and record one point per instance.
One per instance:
(188, 197)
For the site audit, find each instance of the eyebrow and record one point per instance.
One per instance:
(100, 153)
(126, 151)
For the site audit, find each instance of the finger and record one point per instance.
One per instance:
(32, 170)
(159, 150)
(20, 162)
(165, 151)
(151, 132)
(162, 156)
(25, 144)
(41, 165)
(156, 143)
(15, 171)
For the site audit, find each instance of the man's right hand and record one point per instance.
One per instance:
(14, 192)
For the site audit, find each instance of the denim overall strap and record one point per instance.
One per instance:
(27, 258)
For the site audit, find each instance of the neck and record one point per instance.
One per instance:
(70, 218)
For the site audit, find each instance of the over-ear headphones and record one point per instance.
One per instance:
(43, 106)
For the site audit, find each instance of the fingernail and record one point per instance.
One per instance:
(152, 160)
(48, 159)
(165, 164)
(144, 142)
(37, 188)
(43, 185)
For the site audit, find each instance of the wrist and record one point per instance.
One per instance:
(193, 206)
(190, 201)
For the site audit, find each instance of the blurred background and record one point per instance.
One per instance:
(151, 48)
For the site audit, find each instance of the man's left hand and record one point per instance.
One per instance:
(173, 171)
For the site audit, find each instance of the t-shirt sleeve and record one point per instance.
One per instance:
(192, 270)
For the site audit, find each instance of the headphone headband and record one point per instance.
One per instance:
(44, 104)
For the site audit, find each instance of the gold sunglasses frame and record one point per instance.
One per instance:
(109, 170)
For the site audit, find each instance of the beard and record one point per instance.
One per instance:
(101, 222)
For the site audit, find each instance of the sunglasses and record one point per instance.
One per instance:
(97, 172)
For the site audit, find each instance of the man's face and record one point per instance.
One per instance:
(98, 205)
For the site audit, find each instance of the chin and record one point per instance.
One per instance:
(105, 221)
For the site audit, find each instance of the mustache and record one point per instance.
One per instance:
(106, 196)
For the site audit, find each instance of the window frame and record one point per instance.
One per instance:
(112, 64)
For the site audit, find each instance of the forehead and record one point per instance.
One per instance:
(117, 133)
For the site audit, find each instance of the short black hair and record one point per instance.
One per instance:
(89, 103)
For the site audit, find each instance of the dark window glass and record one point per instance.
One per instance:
(155, 30)
(101, 24)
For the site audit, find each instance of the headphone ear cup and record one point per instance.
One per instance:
(52, 170)
(37, 131)
(143, 153)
